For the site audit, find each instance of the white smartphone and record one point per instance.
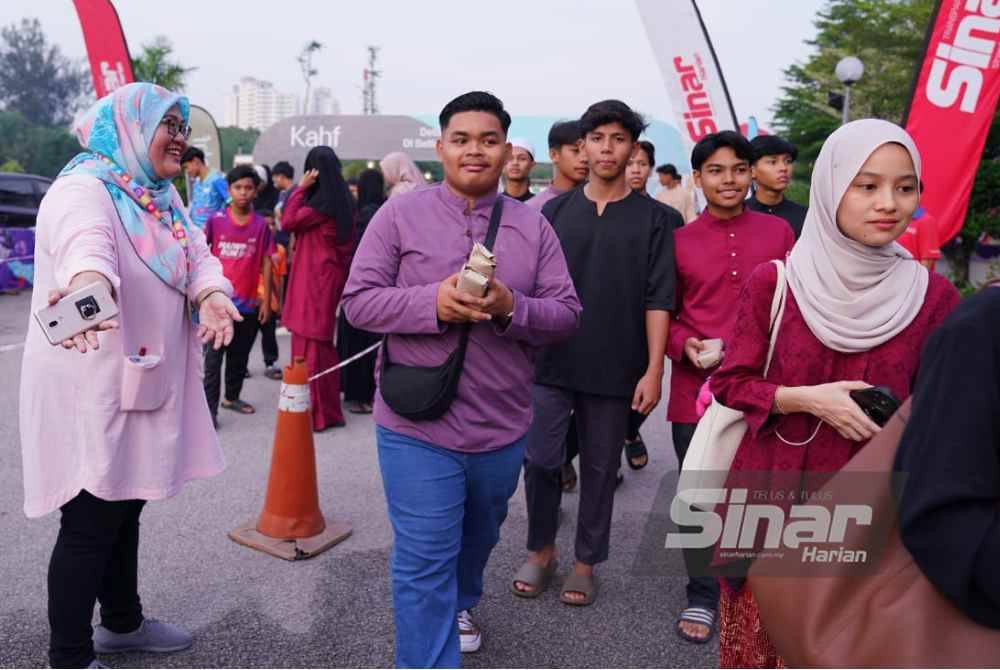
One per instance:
(79, 311)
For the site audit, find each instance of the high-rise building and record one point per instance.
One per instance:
(256, 104)
(323, 103)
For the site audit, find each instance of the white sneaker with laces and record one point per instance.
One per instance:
(469, 635)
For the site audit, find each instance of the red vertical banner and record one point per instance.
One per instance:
(110, 64)
(954, 99)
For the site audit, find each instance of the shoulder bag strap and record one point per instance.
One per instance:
(777, 311)
(491, 233)
(491, 238)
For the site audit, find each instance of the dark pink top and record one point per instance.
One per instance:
(714, 259)
(800, 359)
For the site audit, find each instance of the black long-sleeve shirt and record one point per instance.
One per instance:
(792, 212)
(622, 265)
(950, 505)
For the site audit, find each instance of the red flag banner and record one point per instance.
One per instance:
(953, 102)
(110, 64)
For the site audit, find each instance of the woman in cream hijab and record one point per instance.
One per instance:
(401, 174)
(857, 313)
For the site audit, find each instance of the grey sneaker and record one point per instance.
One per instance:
(152, 635)
(97, 665)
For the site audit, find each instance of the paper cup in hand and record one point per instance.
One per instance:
(710, 356)
(478, 271)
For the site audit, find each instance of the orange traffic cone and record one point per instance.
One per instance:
(291, 526)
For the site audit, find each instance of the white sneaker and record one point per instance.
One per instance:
(469, 635)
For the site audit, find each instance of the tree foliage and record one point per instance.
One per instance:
(41, 150)
(888, 36)
(237, 141)
(156, 65)
(36, 79)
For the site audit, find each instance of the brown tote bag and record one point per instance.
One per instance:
(893, 617)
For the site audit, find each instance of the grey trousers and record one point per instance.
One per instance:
(601, 423)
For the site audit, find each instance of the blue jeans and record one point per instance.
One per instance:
(446, 509)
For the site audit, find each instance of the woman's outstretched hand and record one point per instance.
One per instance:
(216, 315)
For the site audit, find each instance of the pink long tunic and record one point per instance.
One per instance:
(93, 421)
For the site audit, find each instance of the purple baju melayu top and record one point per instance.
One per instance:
(417, 240)
(548, 194)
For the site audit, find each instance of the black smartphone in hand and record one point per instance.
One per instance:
(877, 402)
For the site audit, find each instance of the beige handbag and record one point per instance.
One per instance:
(721, 429)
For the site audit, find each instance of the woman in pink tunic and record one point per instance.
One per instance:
(320, 213)
(127, 421)
(859, 310)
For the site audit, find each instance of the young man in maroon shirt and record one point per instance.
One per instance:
(715, 255)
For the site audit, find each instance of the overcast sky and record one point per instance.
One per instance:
(542, 57)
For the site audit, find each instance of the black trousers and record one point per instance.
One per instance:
(702, 591)
(269, 341)
(95, 559)
(357, 379)
(635, 421)
(237, 353)
(601, 423)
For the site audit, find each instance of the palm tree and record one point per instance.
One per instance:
(154, 65)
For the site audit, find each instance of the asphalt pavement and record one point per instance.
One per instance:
(247, 609)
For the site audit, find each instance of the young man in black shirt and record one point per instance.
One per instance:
(619, 249)
(773, 163)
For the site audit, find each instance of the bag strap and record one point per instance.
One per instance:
(463, 340)
(491, 238)
(777, 311)
(491, 233)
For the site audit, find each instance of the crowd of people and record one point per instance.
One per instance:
(524, 377)
(250, 217)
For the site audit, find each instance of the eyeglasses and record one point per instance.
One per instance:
(175, 127)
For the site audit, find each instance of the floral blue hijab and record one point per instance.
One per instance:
(115, 135)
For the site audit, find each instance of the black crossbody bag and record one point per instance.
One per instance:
(425, 394)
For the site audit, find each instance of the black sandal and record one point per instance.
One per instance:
(634, 451)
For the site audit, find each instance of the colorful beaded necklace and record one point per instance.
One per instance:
(146, 201)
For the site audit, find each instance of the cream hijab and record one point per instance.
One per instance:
(853, 297)
(401, 174)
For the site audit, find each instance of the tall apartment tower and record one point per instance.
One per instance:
(323, 103)
(257, 104)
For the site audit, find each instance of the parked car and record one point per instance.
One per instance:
(20, 195)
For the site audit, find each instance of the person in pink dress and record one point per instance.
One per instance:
(117, 416)
(858, 313)
(321, 215)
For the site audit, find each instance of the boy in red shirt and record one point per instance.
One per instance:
(241, 239)
(921, 237)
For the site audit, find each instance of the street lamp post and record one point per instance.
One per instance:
(849, 70)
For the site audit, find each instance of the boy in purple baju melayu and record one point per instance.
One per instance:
(448, 480)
